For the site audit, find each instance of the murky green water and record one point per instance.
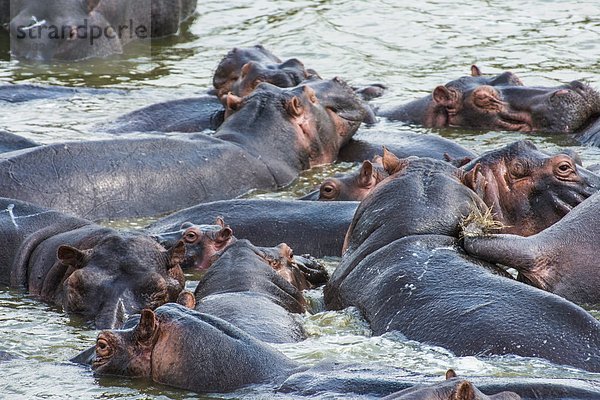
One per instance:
(410, 46)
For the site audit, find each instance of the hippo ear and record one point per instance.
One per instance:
(146, 327)
(465, 391)
(391, 163)
(232, 102)
(286, 251)
(475, 180)
(176, 254)
(72, 257)
(475, 71)
(220, 221)
(223, 237)
(365, 175)
(187, 299)
(450, 374)
(245, 69)
(294, 107)
(92, 4)
(445, 97)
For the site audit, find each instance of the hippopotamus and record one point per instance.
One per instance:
(209, 355)
(205, 345)
(257, 290)
(261, 145)
(502, 102)
(11, 142)
(542, 259)
(311, 227)
(368, 142)
(395, 273)
(202, 242)
(351, 187)
(98, 273)
(453, 388)
(17, 93)
(91, 28)
(526, 189)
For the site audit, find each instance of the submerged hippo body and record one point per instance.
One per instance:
(42, 31)
(257, 290)
(311, 227)
(204, 345)
(96, 272)
(12, 142)
(501, 102)
(262, 145)
(21, 93)
(562, 259)
(186, 115)
(368, 143)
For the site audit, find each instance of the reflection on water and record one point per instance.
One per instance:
(409, 46)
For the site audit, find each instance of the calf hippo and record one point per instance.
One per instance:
(453, 388)
(202, 242)
(183, 348)
(256, 289)
(501, 102)
(526, 189)
(270, 137)
(311, 227)
(81, 29)
(98, 273)
(403, 268)
(544, 261)
(351, 187)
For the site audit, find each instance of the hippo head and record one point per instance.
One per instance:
(287, 74)
(203, 242)
(526, 189)
(120, 275)
(323, 114)
(229, 70)
(302, 272)
(62, 30)
(502, 102)
(353, 187)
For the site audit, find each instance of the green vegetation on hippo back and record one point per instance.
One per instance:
(43, 31)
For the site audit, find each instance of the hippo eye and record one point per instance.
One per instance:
(103, 349)
(564, 169)
(190, 237)
(328, 191)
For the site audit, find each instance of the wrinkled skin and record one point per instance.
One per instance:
(33, 23)
(452, 388)
(317, 228)
(526, 189)
(502, 102)
(202, 242)
(204, 345)
(404, 270)
(100, 274)
(561, 259)
(12, 142)
(351, 187)
(257, 289)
